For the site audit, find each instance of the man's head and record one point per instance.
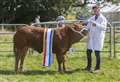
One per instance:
(96, 10)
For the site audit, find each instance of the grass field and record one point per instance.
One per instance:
(35, 72)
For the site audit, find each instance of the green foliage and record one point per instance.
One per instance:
(24, 11)
(116, 1)
(82, 12)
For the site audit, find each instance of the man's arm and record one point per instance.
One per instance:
(102, 25)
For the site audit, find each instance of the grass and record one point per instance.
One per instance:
(35, 72)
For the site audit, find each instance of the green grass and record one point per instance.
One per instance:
(35, 72)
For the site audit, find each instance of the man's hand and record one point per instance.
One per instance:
(93, 23)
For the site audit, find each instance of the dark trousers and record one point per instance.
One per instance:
(89, 59)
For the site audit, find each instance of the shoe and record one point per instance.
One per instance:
(86, 69)
(96, 71)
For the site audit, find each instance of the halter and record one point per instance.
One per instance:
(79, 32)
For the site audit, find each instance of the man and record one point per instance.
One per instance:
(96, 26)
(61, 21)
(37, 19)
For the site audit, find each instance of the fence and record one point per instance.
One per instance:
(110, 33)
(4, 32)
(116, 37)
(14, 26)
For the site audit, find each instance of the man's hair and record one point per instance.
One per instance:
(96, 6)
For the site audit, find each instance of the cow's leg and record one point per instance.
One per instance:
(59, 60)
(63, 61)
(23, 54)
(17, 59)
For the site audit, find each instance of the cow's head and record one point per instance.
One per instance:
(78, 32)
(81, 30)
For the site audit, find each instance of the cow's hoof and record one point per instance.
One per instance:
(60, 71)
(18, 71)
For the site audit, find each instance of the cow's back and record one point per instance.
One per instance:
(31, 37)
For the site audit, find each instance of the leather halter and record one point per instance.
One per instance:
(79, 32)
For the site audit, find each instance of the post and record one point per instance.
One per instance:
(110, 43)
(2, 27)
(114, 49)
(45, 25)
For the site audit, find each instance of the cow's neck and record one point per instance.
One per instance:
(61, 37)
(75, 37)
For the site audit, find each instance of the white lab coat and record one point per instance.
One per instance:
(96, 34)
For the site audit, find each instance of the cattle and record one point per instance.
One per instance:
(31, 37)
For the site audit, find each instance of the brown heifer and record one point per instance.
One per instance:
(32, 37)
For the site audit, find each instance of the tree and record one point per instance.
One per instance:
(83, 10)
(24, 11)
(7, 8)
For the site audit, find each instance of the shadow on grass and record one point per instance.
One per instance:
(37, 72)
(7, 72)
(50, 72)
(73, 71)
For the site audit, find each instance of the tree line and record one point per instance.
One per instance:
(24, 11)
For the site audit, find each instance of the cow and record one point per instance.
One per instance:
(31, 37)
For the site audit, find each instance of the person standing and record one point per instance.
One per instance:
(96, 26)
(61, 21)
(37, 21)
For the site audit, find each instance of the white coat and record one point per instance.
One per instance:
(96, 34)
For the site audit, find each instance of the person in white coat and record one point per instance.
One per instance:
(96, 26)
